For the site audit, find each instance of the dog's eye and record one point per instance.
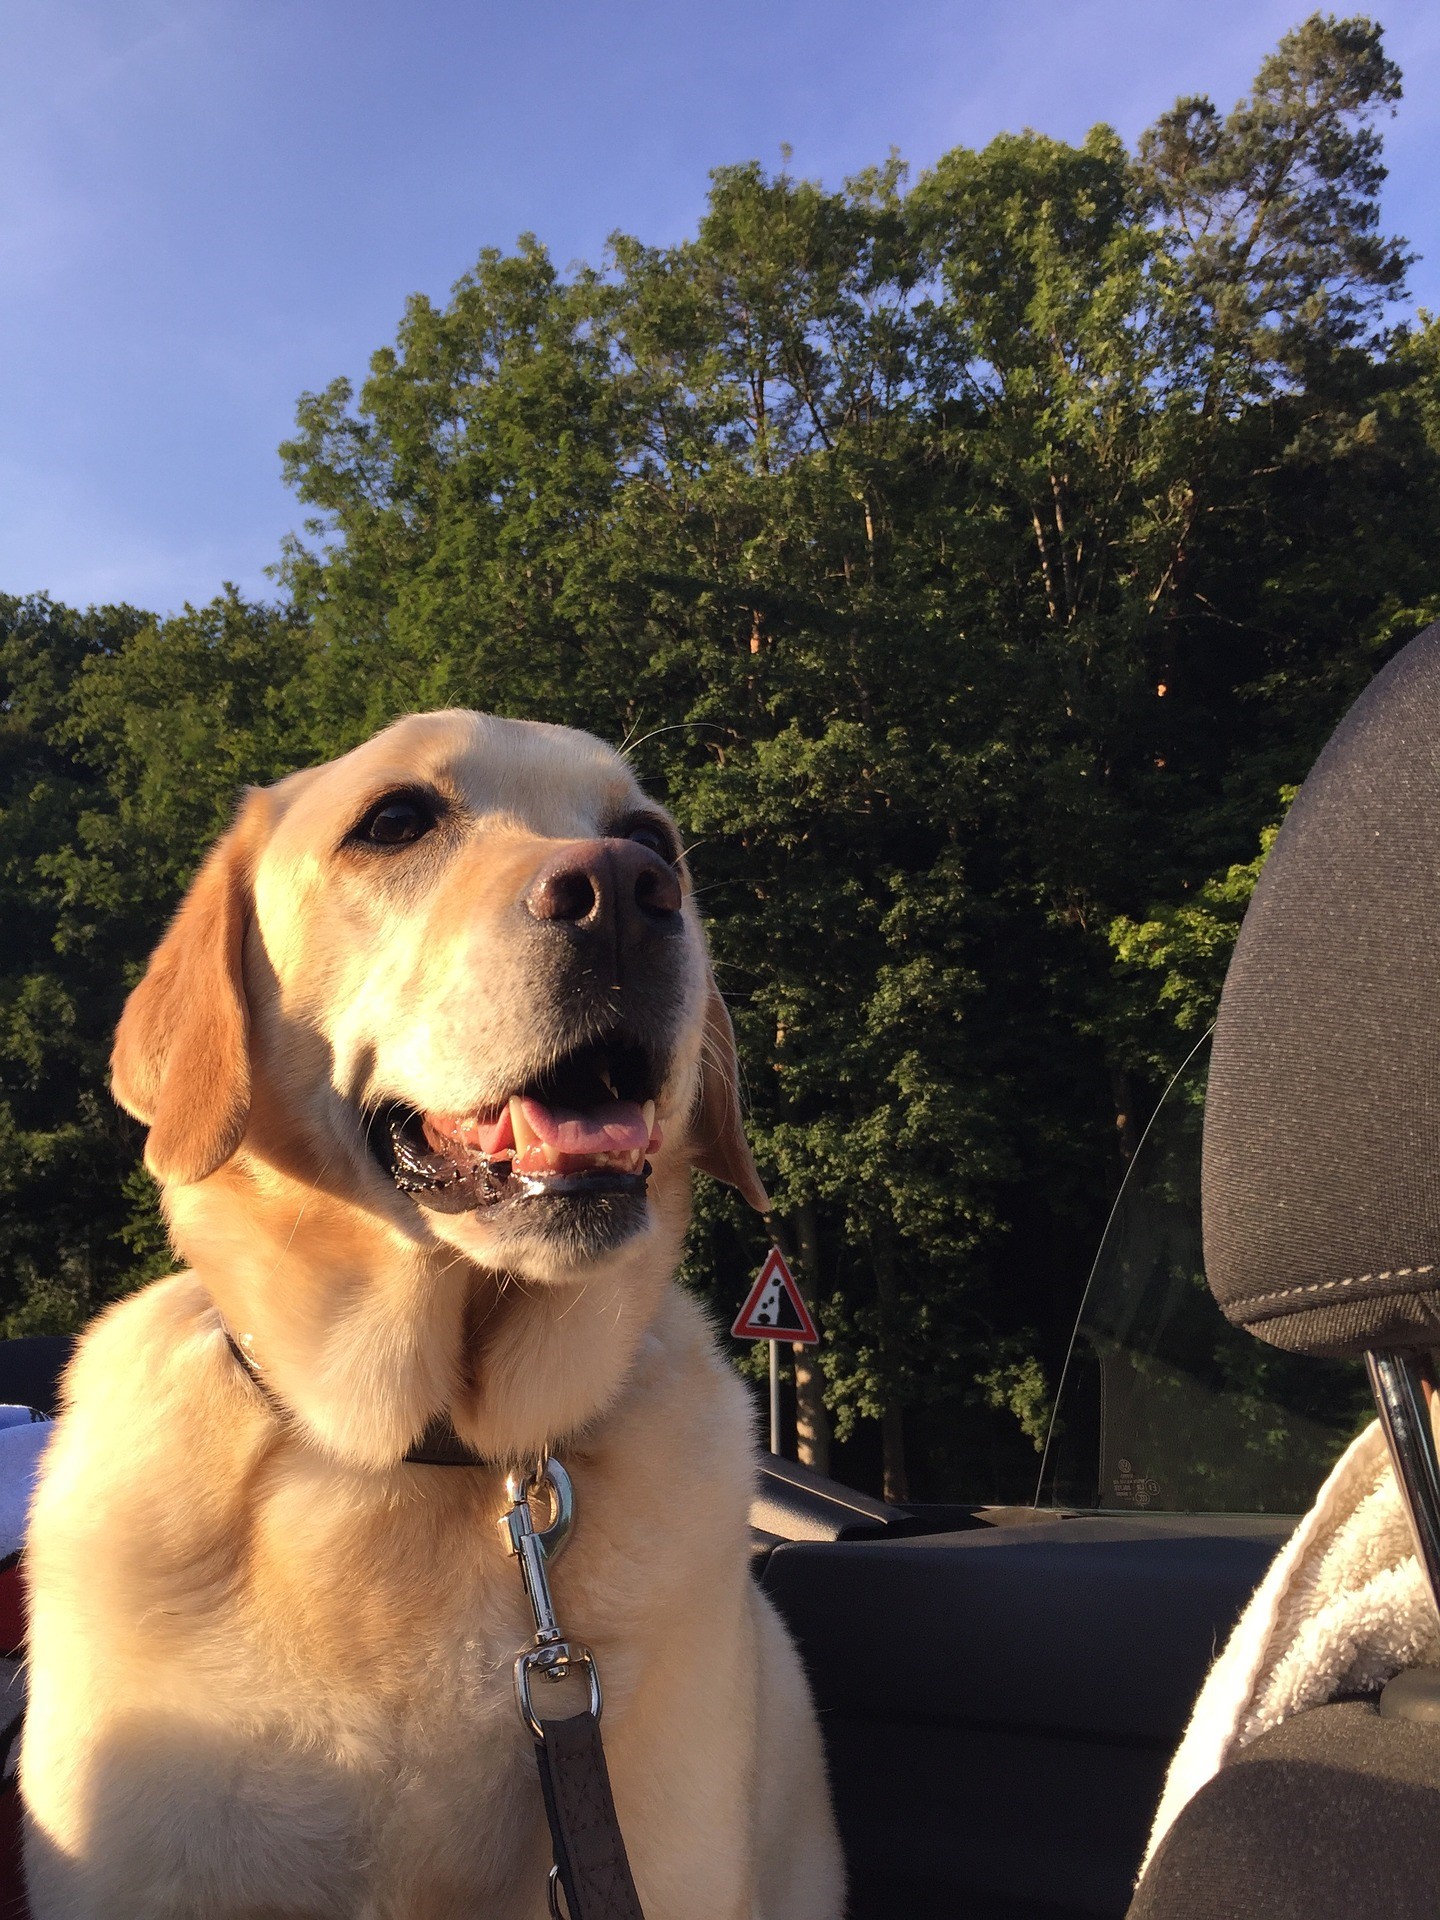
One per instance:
(653, 834)
(396, 821)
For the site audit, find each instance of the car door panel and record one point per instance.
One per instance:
(1000, 1702)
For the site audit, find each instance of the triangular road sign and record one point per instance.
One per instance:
(774, 1310)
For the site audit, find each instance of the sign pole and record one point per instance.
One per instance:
(775, 1396)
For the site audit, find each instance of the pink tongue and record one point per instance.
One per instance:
(617, 1127)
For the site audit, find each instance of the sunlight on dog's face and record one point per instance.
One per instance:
(455, 981)
(490, 927)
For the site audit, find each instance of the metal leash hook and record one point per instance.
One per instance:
(550, 1653)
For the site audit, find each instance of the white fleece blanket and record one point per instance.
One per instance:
(1343, 1609)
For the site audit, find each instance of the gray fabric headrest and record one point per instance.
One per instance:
(1322, 1122)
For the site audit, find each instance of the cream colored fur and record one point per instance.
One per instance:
(270, 1664)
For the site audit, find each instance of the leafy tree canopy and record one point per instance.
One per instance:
(973, 564)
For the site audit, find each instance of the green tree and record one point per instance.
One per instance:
(124, 743)
(968, 563)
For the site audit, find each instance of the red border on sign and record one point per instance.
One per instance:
(746, 1328)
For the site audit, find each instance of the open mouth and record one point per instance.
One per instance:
(584, 1126)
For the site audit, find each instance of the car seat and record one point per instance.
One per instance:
(1322, 1236)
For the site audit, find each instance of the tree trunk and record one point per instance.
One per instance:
(896, 1480)
(1046, 569)
(1066, 566)
(892, 1449)
(812, 1420)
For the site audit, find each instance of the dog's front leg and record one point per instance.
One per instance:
(799, 1868)
(681, 1759)
(719, 1778)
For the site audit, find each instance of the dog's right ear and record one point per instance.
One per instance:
(721, 1148)
(181, 1061)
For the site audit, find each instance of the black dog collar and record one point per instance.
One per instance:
(439, 1446)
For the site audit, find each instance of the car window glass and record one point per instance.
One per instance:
(1163, 1405)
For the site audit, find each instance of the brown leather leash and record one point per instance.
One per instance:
(591, 1866)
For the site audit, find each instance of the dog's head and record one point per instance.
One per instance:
(455, 979)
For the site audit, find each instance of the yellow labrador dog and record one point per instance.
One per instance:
(426, 1059)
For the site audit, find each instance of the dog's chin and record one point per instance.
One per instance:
(546, 1237)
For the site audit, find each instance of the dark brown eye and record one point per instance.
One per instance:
(653, 834)
(398, 820)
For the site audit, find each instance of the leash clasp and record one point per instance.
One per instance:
(535, 1547)
(550, 1654)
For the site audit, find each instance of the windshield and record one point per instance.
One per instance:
(1163, 1405)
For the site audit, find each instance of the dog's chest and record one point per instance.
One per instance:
(389, 1660)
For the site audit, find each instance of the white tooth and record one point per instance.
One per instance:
(552, 1154)
(605, 1079)
(525, 1134)
(647, 1114)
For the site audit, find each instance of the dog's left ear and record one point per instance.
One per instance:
(721, 1148)
(181, 1061)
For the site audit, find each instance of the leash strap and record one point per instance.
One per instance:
(591, 1866)
(590, 1860)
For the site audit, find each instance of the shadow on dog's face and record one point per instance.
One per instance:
(457, 976)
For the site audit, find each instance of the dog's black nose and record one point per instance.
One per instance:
(615, 888)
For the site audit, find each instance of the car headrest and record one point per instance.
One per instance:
(1322, 1121)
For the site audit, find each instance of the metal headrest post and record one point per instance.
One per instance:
(1404, 1385)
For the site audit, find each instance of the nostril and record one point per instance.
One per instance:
(566, 895)
(657, 890)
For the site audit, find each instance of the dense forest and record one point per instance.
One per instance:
(973, 563)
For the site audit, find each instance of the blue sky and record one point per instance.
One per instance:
(207, 206)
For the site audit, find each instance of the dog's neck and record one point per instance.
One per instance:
(439, 1446)
(366, 1336)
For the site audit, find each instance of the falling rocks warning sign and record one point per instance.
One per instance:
(773, 1308)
